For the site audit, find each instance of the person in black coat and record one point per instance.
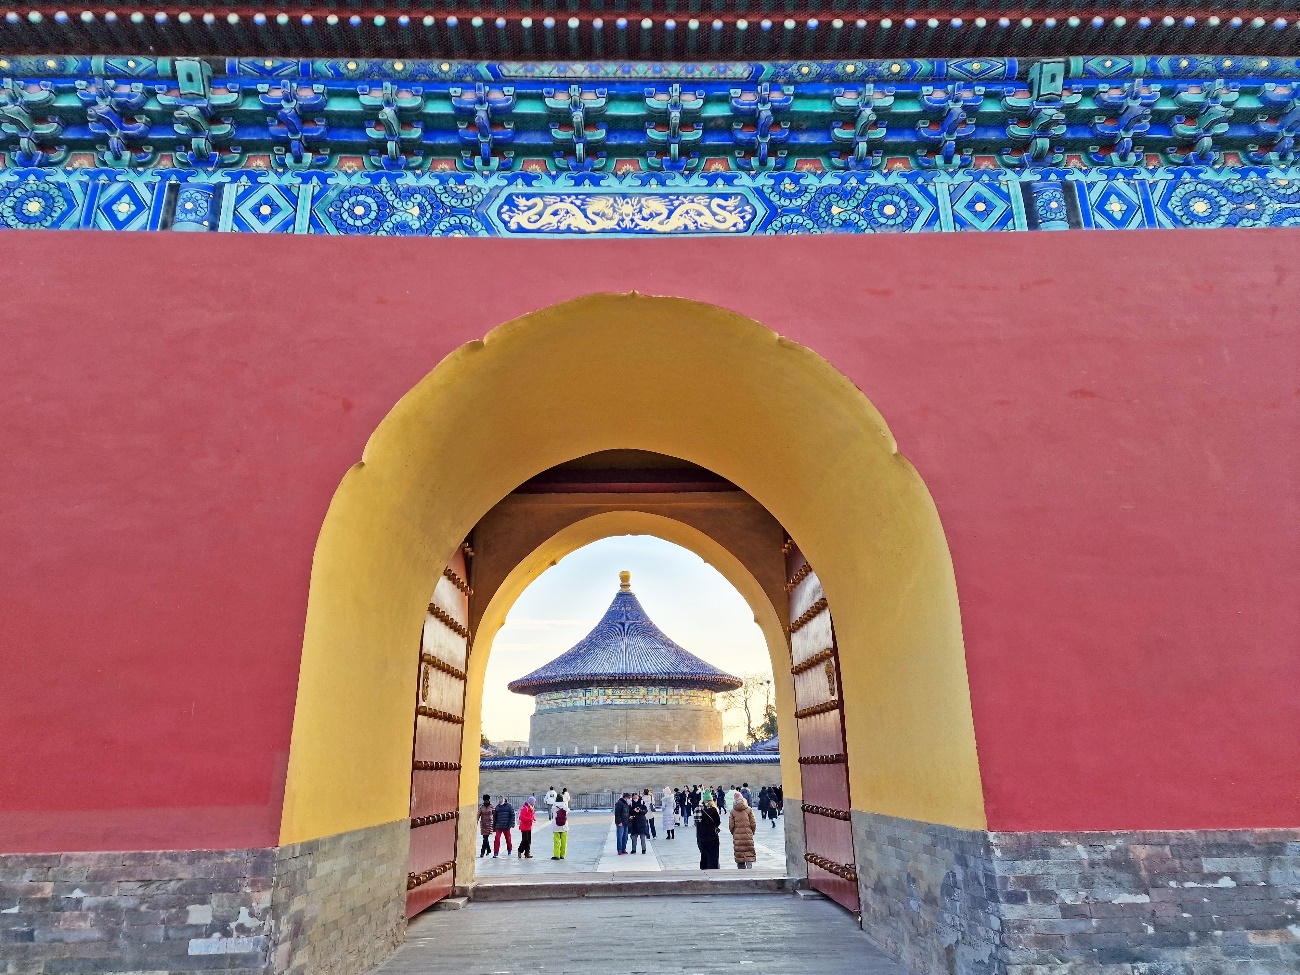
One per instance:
(708, 824)
(638, 825)
(620, 823)
(503, 820)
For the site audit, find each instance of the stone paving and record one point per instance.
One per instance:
(592, 849)
(766, 934)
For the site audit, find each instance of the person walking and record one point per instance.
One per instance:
(762, 803)
(742, 826)
(668, 810)
(651, 809)
(485, 825)
(503, 821)
(551, 798)
(560, 830)
(527, 816)
(773, 808)
(620, 823)
(638, 825)
(744, 791)
(708, 823)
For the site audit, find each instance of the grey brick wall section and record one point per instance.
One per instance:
(1180, 902)
(146, 912)
(796, 840)
(1176, 902)
(339, 901)
(333, 906)
(928, 894)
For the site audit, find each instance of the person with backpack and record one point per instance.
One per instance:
(560, 830)
(503, 821)
(485, 825)
(527, 815)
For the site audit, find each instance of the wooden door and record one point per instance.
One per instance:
(439, 721)
(823, 757)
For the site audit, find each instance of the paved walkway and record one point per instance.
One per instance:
(592, 849)
(764, 934)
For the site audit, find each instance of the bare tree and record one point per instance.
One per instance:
(750, 697)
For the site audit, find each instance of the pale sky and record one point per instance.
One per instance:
(687, 598)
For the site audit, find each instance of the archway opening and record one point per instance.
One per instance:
(672, 377)
(644, 715)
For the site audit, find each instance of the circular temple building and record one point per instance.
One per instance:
(625, 687)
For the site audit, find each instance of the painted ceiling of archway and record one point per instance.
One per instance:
(561, 149)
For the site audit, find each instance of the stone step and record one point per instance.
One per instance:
(659, 884)
(453, 903)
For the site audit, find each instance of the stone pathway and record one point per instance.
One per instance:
(764, 934)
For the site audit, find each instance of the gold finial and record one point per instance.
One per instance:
(625, 581)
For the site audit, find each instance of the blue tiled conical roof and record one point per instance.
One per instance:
(625, 648)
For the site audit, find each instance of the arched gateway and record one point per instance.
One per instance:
(658, 374)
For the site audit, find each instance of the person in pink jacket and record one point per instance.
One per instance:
(527, 816)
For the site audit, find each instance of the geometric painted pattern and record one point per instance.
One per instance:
(449, 204)
(122, 206)
(984, 204)
(263, 208)
(35, 203)
(1116, 204)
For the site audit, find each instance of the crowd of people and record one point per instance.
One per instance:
(635, 816)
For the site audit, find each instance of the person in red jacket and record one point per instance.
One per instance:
(527, 815)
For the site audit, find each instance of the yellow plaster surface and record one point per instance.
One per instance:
(661, 374)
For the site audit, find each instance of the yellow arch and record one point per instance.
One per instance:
(591, 529)
(667, 375)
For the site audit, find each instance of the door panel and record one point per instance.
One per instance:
(824, 736)
(819, 710)
(435, 752)
(434, 792)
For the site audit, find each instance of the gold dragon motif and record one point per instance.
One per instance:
(647, 213)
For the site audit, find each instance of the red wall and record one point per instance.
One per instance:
(1108, 422)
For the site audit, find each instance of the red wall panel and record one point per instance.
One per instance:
(1107, 423)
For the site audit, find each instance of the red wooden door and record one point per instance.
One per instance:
(439, 721)
(823, 757)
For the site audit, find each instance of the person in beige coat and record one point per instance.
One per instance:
(741, 823)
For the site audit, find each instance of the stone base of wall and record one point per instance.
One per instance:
(1179, 902)
(928, 894)
(147, 912)
(796, 840)
(333, 906)
(339, 902)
